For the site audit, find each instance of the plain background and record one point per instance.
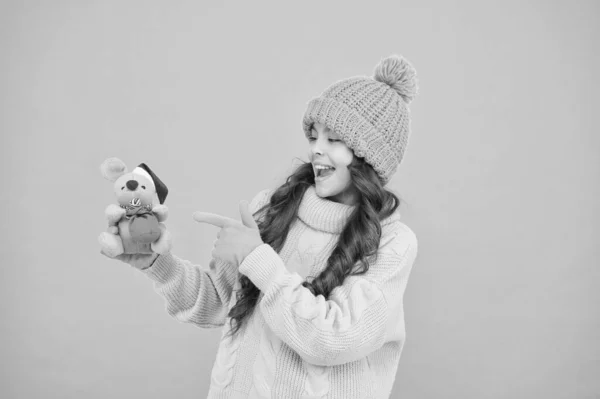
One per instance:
(500, 181)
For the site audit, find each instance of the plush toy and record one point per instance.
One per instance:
(135, 223)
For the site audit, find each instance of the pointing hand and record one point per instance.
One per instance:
(236, 239)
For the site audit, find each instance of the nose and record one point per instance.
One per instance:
(131, 184)
(316, 147)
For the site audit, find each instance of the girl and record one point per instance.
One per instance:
(319, 276)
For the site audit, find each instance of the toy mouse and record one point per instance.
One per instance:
(135, 224)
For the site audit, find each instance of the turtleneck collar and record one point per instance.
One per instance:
(326, 215)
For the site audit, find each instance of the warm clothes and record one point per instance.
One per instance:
(296, 345)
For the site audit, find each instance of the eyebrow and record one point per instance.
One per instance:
(326, 130)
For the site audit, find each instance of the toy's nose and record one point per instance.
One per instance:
(132, 184)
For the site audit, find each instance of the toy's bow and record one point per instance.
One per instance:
(135, 208)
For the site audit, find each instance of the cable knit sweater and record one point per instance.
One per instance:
(295, 344)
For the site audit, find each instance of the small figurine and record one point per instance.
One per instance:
(135, 224)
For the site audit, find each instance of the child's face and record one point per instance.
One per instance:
(327, 148)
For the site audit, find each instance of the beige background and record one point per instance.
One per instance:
(500, 181)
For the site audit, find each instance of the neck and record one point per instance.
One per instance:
(347, 197)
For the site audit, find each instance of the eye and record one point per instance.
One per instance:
(123, 188)
(144, 187)
(334, 140)
(311, 138)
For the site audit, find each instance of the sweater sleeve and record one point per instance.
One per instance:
(193, 293)
(359, 316)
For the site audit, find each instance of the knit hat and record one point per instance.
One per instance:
(371, 115)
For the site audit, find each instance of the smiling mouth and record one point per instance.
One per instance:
(322, 174)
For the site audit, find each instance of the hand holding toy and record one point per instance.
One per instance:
(139, 261)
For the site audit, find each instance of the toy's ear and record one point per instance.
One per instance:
(112, 169)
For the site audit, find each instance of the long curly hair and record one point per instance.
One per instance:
(358, 241)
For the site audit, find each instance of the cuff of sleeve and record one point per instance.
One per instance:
(163, 268)
(263, 266)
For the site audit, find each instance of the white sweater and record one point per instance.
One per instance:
(297, 345)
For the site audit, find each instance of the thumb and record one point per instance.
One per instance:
(247, 217)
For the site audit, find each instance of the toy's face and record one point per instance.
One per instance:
(132, 186)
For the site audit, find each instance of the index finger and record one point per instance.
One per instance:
(213, 218)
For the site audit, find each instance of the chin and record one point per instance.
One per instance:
(318, 190)
(325, 192)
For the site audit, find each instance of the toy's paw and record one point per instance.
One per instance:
(161, 212)
(114, 213)
(111, 244)
(113, 230)
(163, 244)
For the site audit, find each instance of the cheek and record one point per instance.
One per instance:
(346, 159)
(343, 173)
(124, 198)
(344, 176)
(344, 156)
(145, 197)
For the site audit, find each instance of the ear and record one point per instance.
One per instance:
(161, 188)
(112, 169)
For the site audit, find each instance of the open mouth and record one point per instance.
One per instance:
(323, 172)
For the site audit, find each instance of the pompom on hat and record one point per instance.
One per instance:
(370, 114)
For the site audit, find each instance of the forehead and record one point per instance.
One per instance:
(319, 127)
